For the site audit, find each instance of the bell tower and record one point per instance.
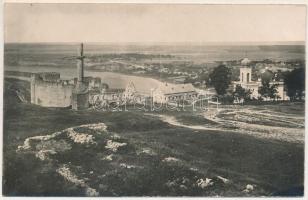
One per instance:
(245, 71)
(245, 74)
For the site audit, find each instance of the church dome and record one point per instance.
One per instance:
(245, 61)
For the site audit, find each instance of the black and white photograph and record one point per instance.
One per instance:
(153, 100)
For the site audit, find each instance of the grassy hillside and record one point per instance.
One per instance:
(158, 159)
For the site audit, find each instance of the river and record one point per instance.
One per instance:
(114, 80)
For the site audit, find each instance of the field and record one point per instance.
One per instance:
(235, 151)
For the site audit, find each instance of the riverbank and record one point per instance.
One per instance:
(114, 80)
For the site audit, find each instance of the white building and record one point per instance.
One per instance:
(174, 92)
(246, 82)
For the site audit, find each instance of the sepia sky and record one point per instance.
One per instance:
(153, 23)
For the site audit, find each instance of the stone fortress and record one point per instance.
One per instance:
(49, 90)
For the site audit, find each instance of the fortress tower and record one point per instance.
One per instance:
(48, 90)
(80, 65)
(80, 97)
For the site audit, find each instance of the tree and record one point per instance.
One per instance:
(267, 76)
(273, 93)
(267, 90)
(241, 93)
(220, 78)
(295, 83)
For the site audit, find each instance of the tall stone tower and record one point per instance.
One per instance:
(80, 65)
(80, 96)
(245, 71)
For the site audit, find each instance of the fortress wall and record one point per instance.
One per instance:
(51, 94)
(80, 101)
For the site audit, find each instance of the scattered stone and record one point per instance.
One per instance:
(147, 151)
(54, 145)
(171, 159)
(193, 169)
(96, 127)
(109, 157)
(27, 142)
(43, 154)
(71, 177)
(76, 137)
(183, 187)
(248, 188)
(224, 180)
(127, 166)
(115, 136)
(204, 183)
(80, 138)
(113, 146)
(68, 175)
(91, 192)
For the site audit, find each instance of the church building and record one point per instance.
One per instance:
(246, 82)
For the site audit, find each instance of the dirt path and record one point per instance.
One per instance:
(173, 121)
(295, 135)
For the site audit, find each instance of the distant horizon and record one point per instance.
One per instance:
(173, 43)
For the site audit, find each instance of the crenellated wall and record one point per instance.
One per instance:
(50, 93)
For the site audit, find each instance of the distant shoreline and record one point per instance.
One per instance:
(300, 43)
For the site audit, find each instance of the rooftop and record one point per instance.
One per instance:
(49, 76)
(168, 88)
